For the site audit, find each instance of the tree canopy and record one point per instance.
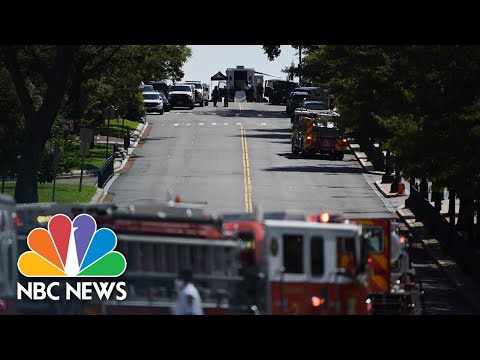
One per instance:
(44, 82)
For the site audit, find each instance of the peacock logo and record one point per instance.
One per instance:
(72, 249)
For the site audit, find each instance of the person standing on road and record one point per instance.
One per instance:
(215, 95)
(259, 92)
(225, 99)
(188, 298)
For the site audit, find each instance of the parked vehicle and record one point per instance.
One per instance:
(166, 103)
(160, 86)
(153, 102)
(182, 95)
(199, 92)
(206, 94)
(314, 105)
(293, 268)
(147, 88)
(295, 101)
(316, 132)
(278, 91)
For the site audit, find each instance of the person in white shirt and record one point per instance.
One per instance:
(188, 298)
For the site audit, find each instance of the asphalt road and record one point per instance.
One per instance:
(232, 159)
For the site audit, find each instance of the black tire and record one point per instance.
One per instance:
(340, 156)
(294, 149)
(161, 112)
(201, 103)
(206, 103)
(191, 107)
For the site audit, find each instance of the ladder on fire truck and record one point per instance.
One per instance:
(160, 239)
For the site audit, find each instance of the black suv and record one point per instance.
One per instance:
(295, 100)
(277, 90)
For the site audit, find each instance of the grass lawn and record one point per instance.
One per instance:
(116, 130)
(64, 193)
(96, 156)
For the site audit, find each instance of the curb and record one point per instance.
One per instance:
(132, 147)
(97, 196)
(362, 159)
(461, 281)
(380, 188)
(102, 192)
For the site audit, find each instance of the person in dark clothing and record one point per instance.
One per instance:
(259, 92)
(215, 95)
(225, 99)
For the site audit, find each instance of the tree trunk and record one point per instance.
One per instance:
(466, 212)
(38, 123)
(26, 189)
(76, 91)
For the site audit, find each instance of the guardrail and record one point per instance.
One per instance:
(453, 242)
(374, 154)
(105, 172)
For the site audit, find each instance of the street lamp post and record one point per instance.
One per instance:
(108, 113)
(300, 65)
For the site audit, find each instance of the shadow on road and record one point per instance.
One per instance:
(282, 130)
(265, 136)
(158, 138)
(259, 114)
(281, 142)
(289, 155)
(317, 169)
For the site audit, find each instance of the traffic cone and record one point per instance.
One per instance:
(177, 199)
(401, 188)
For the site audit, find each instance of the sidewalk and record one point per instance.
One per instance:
(90, 177)
(469, 289)
(120, 163)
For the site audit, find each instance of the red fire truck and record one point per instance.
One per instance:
(160, 239)
(294, 267)
(316, 132)
(391, 288)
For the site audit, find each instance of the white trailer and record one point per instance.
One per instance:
(238, 77)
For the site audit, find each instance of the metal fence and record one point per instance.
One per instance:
(105, 172)
(374, 154)
(453, 242)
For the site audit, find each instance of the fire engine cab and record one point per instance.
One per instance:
(293, 267)
(391, 278)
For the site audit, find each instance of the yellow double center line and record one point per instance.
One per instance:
(247, 184)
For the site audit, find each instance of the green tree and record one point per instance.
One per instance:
(77, 81)
(40, 75)
(11, 125)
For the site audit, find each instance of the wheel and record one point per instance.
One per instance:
(206, 103)
(201, 103)
(340, 156)
(161, 112)
(294, 149)
(191, 107)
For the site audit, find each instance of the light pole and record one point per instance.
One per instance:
(300, 65)
(108, 113)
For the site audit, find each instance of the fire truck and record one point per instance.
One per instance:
(293, 267)
(391, 277)
(316, 132)
(36, 215)
(158, 239)
(8, 255)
